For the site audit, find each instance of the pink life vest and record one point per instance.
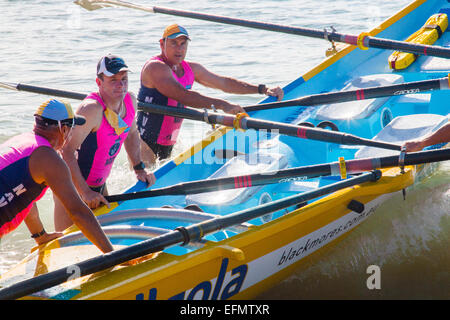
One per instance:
(18, 190)
(163, 129)
(100, 148)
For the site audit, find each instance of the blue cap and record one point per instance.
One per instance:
(59, 110)
(174, 31)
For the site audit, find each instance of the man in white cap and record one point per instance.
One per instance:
(110, 123)
(30, 164)
(167, 79)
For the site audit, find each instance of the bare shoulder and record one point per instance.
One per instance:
(196, 67)
(152, 66)
(201, 74)
(45, 162)
(93, 112)
(156, 73)
(89, 107)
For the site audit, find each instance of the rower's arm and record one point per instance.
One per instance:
(442, 135)
(158, 75)
(231, 85)
(226, 84)
(36, 227)
(92, 114)
(132, 146)
(47, 167)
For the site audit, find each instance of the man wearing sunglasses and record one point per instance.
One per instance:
(30, 164)
(92, 149)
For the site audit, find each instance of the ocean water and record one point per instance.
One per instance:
(57, 44)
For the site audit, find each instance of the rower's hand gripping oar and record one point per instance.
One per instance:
(240, 121)
(353, 166)
(181, 235)
(359, 94)
(362, 41)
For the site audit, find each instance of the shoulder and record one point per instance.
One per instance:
(155, 65)
(44, 153)
(154, 72)
(199, 70)
(92, 110)
(45, 161)
(195, 66)
(89, 107)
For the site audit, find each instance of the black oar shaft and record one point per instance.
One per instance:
(420, 49)
(253, 213)
(286, 129)
(286, 175)
(362, 40)
(308, 32)
(193, 232)
(412, 158)
(228, 120)
(234, 182)
(360, 94)
(51, 92)
(365, 40)
(316, 134)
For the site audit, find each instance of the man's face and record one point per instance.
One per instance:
(175, 49)
(115, 86)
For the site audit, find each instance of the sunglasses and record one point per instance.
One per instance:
(67, 122)
(50, 122)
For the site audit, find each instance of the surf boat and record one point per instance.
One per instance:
(191, 237)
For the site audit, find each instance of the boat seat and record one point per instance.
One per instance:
(435, 64)
(402, 129)
(362, 108)
(259, 162)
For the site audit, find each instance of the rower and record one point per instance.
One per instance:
(167, 79)
(30, 164)
(93, 148)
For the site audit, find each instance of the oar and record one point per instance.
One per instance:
(363, 41)
(286, 175)
(311, 100)
(239, 122)
(257, 124)
(180, 235)
(43, 90)
(359, 94)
